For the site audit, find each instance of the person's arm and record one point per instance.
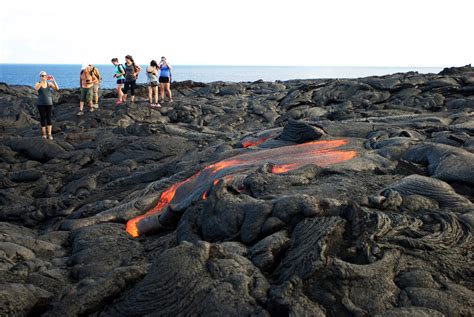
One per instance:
(37, 86)
(99, 76)
(94, 78)
(54, 84)
(89, 79)
(137, 69)
(169, 66)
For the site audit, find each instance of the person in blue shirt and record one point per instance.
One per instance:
(165, 79)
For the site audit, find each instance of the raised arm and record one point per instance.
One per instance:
(54, 84)
(37, 86)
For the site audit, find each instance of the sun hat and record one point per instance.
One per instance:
(84, 66)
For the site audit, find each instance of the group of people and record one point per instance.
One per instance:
(90, 83)
(126, 76)
(158, 76)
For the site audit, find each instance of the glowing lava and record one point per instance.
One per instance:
(249, 143)
(284, 159)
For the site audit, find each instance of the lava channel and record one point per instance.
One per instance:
(284, 159)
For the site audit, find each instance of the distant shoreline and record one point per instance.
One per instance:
(67, 75)
(191, 65)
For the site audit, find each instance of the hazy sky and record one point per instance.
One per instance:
(244, 32)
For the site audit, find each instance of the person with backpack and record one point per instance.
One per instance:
(45, 102)
(86, 85)
(131, 75)
(120, 76)
(152, 78)
(165, 79)
(96, 79)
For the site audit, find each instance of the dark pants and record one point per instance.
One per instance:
(130, 85)
(45, 115)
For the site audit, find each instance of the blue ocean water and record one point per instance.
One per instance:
(67, 75)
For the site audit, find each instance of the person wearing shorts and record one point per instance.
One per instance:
(120, 77)
(86, 89)
(152, 79)
(165, 79)
(45, 102)
(131, 74)
(96, 79)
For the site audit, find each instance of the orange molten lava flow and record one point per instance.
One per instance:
(223, 164)
(249, 143)
(283, 168)
(324, 158)
(165, 199)
(285, 159)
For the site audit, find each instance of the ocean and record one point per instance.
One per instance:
(67, 75)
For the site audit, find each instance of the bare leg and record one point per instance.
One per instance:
(150, 94)
(50, 128)
(124, 97)
(43, 132)
(81, 105)
(162, 91)
(168, 89)
(156, 94)
(133, 98)
(96, 96)
(119, 92)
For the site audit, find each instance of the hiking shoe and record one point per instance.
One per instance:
(80, 113)
(50, 137)
(96, 106)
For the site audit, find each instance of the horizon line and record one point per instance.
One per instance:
(248, 65)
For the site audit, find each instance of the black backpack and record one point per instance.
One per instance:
(123, 68)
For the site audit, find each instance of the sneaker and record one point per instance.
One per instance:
(118, 102)
(96, 106)
(80, 113)
(92, 109)
(50, 137)
(158, 105)
(43, 136)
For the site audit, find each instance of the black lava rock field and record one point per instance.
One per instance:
(327, 197)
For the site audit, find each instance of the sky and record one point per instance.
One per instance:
(422, 33)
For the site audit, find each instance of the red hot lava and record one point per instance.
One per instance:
(249, 143)
(287, 158)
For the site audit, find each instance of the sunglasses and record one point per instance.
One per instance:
(44, 75)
